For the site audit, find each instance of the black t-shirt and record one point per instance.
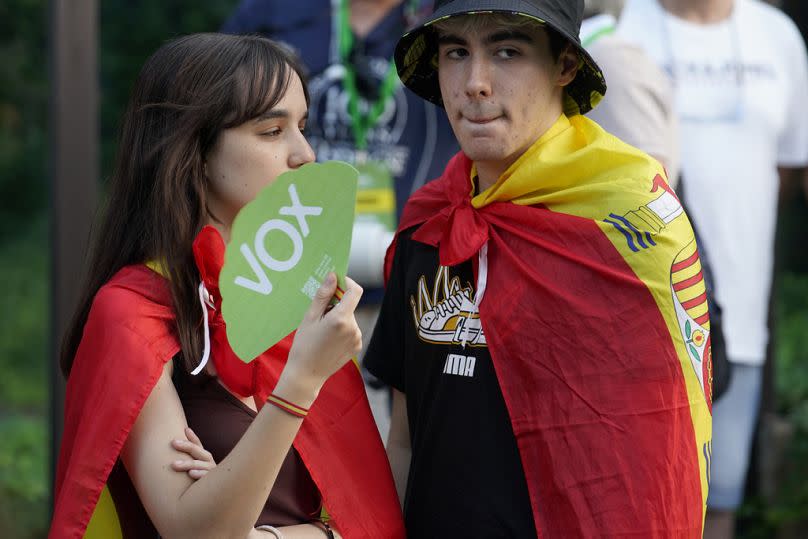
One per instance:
(466, 477)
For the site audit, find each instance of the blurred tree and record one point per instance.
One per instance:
(130, 32)
(23, 112)
(23, 199)
(793, 256)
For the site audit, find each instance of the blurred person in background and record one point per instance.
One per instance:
(639, 107)
(360, 112)
(740, 73)
(212, 120)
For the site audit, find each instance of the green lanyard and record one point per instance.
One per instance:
(361, 124)
(603, 32)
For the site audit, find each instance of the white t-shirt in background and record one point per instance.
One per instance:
(638, 105)
(741, 94)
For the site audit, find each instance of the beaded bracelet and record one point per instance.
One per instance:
(286, 406)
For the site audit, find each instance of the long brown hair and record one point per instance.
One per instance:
(187, 92)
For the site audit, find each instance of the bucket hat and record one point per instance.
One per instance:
(416, 54)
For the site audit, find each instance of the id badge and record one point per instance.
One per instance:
(375, 194)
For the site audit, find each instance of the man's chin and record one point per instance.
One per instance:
(478, 150)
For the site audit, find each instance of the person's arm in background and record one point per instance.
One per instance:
(792, 145)
(369, 242)
(638, 107)
(385, 358)
(399, 448)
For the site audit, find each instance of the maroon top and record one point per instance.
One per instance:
(220, 420)
(135, 523)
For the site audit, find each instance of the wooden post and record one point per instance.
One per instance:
(74, 169)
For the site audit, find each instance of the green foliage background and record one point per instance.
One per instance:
(130, 31)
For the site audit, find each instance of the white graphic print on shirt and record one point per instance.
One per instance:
(443, 315)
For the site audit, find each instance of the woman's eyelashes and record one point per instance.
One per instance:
(272, 132)
(277, 130)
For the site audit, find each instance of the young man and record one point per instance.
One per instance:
(740, 71)
(543, 323)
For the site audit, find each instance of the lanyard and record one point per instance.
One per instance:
(603, 32)
(361, 123)
(597, 27)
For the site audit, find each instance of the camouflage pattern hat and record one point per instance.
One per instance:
(416, 54)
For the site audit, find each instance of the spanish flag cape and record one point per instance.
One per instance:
(128, 337)
(596, 321)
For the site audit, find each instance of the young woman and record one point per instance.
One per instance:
(212, 120)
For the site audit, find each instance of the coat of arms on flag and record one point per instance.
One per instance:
(690, 302)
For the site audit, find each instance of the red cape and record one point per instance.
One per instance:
(128, 338)
(585, 361)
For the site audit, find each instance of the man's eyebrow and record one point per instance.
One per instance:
(509, 35)
(451, 39)
(496, 37)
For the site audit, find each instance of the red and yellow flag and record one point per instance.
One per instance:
(128, 337)
(596, 322)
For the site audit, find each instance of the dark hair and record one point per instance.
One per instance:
(187, 92)
(557, 42)
(472, 22)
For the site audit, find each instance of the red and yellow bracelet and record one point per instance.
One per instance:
(287, 406)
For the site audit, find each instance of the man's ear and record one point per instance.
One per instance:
(568, 62)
